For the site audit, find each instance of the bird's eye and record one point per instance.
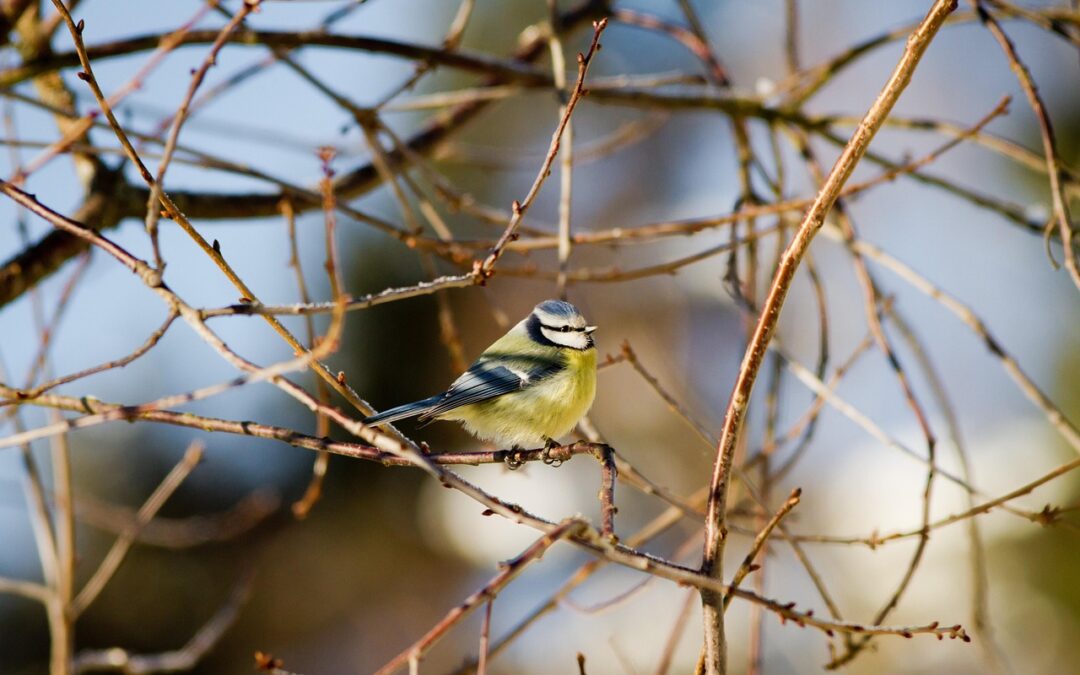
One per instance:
(564, 329)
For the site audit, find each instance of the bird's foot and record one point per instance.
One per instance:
(513, 459)
(549, 445)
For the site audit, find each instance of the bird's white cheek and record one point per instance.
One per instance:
(558, 337)
(571, 339)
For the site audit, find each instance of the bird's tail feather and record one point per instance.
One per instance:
(404, 411)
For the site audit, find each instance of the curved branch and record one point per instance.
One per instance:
(23, 272)
(509, 70)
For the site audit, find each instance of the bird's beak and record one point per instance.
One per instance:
(589, 330)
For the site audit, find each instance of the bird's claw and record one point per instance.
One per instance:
(549, 445)
(513, 459)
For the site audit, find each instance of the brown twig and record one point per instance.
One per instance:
(115, 557)
(153, 213)
(521, 207)
(180, 533)
(182, 659)
(146, 346)
(485, 640)
(312, 493)
(760, 540)
(1058, 198)
(566, 161)
(608, 472)
(715, 645)
(681, 619)
(980, 614)
(1065, 428)
(510, 570)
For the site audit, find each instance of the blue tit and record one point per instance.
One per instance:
(530, 387)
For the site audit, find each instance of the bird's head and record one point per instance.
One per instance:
(560, 323)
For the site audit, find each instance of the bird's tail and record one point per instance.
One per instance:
(404, 411)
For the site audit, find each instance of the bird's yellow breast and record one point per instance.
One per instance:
(550, 409)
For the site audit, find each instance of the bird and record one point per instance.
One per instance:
(530, 387)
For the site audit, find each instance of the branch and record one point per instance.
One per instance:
(747, 565)
(519, 208)
(510, 570)
(123, 543)
(1046, 131)
(123, 200)
(715, 528)
(473, 62)
(180, 660)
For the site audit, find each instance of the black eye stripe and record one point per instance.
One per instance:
(561, 329)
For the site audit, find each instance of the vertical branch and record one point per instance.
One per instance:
(791, 41)
(45, 540)
(715, 525)
(872, 302)
(980, 616)
(302, 506)
(608, 472)
(676, 633)
(64, 526)
(313, 492)
(1046, 131)
(485, 640)
(153, 213)
(486, 268)
(566, 160)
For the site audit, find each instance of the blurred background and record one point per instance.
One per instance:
(387, 551)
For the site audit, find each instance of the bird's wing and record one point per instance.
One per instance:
(403, 411)
(488, 379)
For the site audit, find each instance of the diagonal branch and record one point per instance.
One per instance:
(715, 527)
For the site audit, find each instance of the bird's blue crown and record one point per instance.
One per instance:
(558, 308)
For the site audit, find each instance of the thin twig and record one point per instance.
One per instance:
(566, 160)
(302, 506)
(1046, 130)
(485, 640)
(180, 660)
(521, 207)
(153, 213)
(122, 545)
(510, 570)
(747, 565)
(1065, 428)
(681, 619)
(716, 649)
